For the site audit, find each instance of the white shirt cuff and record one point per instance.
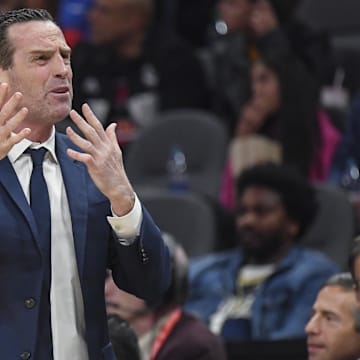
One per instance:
(127, 227)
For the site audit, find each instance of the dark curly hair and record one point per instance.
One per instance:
(297, 195)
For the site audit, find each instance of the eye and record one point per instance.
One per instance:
(41, 58)
(330, 317)
(66, 57)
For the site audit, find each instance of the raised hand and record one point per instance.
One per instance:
(103, 159)
(251, 119)
(10, 120)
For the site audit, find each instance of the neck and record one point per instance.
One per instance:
(273, 257)
(38, 133)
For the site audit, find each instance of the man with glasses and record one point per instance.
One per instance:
(264, 289)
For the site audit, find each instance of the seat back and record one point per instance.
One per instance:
(333, 16)
(333, 229)
(294, 349)
(187, 216)
(202, 138)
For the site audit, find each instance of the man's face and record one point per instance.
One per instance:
(113, 21)
(265, 88)
(236, 13)
(262, 223)
(331, 331)
(41, 70)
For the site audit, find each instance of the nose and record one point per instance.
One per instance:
(61, 67)
(246, 219)
(312, 326)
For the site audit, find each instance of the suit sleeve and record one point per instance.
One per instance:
(143, 268)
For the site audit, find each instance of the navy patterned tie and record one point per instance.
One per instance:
(39, 198)
(40, 205)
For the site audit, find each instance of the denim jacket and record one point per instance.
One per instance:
(283, 302)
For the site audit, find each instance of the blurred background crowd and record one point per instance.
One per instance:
(239, 122)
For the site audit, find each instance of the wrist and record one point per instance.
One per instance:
(123, 203)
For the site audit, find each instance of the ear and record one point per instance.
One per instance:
(293, 228)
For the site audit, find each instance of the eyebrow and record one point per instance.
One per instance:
(63, 50)
(330, 313)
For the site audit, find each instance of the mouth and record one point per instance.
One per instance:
(314, 348)
(249, 237)
(61, 90)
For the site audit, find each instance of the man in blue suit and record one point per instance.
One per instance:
(52, 284)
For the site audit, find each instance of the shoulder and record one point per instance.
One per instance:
(215, 262)
(63, 142)
(314, 259)
(193, 336)
(308, 265)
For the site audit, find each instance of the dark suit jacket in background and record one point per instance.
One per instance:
(191, 340)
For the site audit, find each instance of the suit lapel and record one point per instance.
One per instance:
(11, 184)
(74, 177)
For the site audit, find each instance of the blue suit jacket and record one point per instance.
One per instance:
(142, 268)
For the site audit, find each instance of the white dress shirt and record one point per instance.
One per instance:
(67, 307)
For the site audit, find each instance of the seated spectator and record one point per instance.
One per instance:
(263, 289)
(284, 108)
(283, 111)
(123, 339)
(346, 162)
(354, 265)
(250, 29)
(333, 332)
(130, 70)
(164, 330)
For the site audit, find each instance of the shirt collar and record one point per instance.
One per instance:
(18, 149)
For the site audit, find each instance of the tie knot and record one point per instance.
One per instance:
(37, 156)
